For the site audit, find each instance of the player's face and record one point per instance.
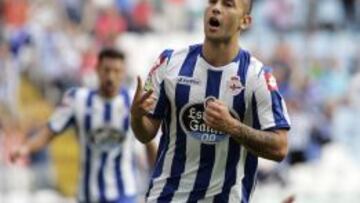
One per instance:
(224, 19)
(111, 73)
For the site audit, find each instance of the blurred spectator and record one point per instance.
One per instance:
(323, 17)
(126, 7)
(108, 25)
(282, 63)
(15, 12)
(74, 10)
(299, 136)
(141, 16)
(279, 14)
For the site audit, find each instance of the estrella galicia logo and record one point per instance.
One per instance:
(193, 124)
(106, 137)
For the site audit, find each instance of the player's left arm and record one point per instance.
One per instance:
(267, 144)
(151, 151)
(270, 138)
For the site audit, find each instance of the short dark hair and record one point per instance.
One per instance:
(110, 53)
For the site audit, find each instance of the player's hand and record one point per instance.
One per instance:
(142, 102)
(218, 117)
(19, 152)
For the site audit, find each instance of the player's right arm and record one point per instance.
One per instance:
(39, 141)
(62, 118)
(150, 104)
(144, 127)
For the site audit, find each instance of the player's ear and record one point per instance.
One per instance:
(245, 22)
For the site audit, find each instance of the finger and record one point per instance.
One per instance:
(219, 102)
(212, 113)
(146, 96)
(209, 121)
(138, 87)
(148, 108)
(213, 107)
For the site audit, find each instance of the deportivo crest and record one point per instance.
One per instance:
(234, 85)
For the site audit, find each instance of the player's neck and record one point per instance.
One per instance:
(107, 95)
(220, 53)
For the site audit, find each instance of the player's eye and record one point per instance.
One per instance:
(229, 3)
(212, 1)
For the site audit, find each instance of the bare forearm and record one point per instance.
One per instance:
(144, 128)
(40, 140)
(266, 144)
(151, 151)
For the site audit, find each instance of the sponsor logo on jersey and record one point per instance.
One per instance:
(193, 124)
(188, 81)
(106, 137)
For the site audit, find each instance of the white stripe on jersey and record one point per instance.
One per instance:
(110, 176)
(127, 169)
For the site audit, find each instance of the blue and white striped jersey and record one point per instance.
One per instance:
(196, 163)
(107, 173)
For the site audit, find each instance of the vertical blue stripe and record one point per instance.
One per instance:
(107, 116)
(234, 148)
(126, 122)
(161, 106)
(207, 151)
(88, 152)
(251, 161)
(277, 109)
(248, 182)
(181, 98)
(100, 178)
(163, 147)
(118, 175)
(107, 112)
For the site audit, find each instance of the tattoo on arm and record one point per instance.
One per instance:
(265, 144)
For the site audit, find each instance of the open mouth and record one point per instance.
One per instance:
(214, 22)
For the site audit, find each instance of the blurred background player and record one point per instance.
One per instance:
(101, 118)
(220, 109)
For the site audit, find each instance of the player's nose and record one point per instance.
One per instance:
(216, 8)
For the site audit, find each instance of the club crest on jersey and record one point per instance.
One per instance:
(234, 85)
(270, 79)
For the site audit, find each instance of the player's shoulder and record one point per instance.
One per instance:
(255, 67)
(173, 55)
(76, 93)
(169, 60)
